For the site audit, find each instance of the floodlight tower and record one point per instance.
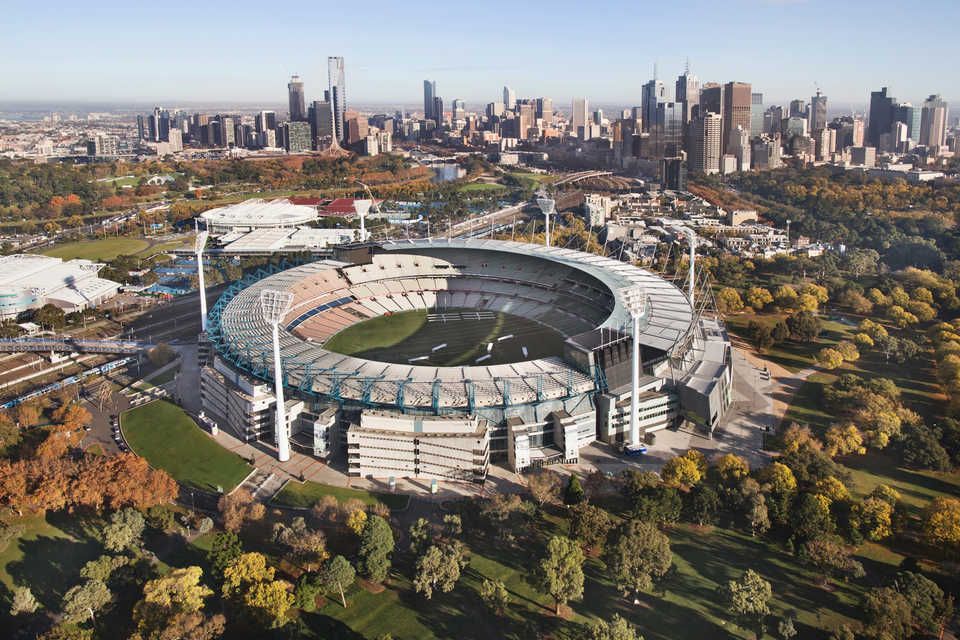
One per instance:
(362, 207)
(275, 304)
(548, 206)
(692, 238)
(198, 249)
(635, 300)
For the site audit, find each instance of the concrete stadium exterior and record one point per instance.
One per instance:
(409, 420)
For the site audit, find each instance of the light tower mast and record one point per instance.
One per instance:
(635, 300)
(200, 243)
(692, 238)
(362, 207)
(275, 304)
(548, 206)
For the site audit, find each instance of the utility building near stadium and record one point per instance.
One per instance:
(407, 414)
(29, 281)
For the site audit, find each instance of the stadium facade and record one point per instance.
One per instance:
(257, 214)
(418, 420)
(29, 281)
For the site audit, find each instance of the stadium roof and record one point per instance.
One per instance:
(259, 213)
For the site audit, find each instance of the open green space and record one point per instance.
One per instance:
(403, 336)
(102, 249)
(916, 487)
(304, 495)
(792, 355)
(481, 187)
(169, 439)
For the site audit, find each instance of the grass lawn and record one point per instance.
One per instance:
(917, 488)
(305, 494)
(161, 247)
(481, 186)
(168, 438)
(103, 249)
(164, 377)
(792, 355)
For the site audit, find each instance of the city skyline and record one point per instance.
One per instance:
(386, 64)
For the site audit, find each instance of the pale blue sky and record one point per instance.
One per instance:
(210, 50)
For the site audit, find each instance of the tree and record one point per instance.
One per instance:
(844, 440)
(702, 504)
(495, 596)
(224, 549)
(177, 593)
(786, 629)
(357, 520)
(874, 517)
(810, 516)
(681, 471)
(269, 602)
(617, 629)
(124, 531)
(574, 493)
(804, 326)
(748, 600)
(452, 525)
(161, 355)
(544, 486)
(438, 568)
(236, 508)
(638, 554)
(50, 317)
(589, 524)
(758, 298)
(246, 570)
(931, 608)
(941, 523)
(23, 601)
(829, 556)
(888, 614)
(561, 571)
(84, 600)
(338, 574)
(376, 545)
(781, 331)
(420, 535)
(728, 301)
(730, 469)
(306, 546)
(829, 358)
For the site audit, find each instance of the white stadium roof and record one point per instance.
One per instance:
(258, 213)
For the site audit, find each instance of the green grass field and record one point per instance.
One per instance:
(304, 495)
(402, 336)
(474, 187)
(169, 439)
(103, 249)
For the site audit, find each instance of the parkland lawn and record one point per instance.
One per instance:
(104, 249)
(169, 439)
(303, 495)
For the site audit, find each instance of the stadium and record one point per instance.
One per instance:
(432, 358)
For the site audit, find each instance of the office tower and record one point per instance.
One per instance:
(736, 109)
(673, 174)
(494, 109)
(298, 110)
(933, 122)
(141, 127)
(654, 92)
(739, 147)
(545, 111)
(756, 114)
(859, 131)
(265, 121)
(773, 120)
(578, 115)
(668, 130)
(796, 126)
(818, 112)
(705, 151)
(322, 127)
(101, 145)
(509, 98)
(687, 93)
(863, 156)
(711, 98)
(910, 116)
(798, 109)
(437, 111)
(295, 137)
(899, 137)
(459, 110)
(338, 94)
(429, 91)
(881, 116)
(766, 152)
(526, 117)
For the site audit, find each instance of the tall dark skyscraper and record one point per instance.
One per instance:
(654, 92)
(298, 109)
(881, 116)
(818, 112)
(711, 98)
(338, 93)
(429, 91)
(736, 109)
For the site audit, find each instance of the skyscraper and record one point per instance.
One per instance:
(687, 93)
(298, 108)
(459, 109)
(736, 109)
(881, 116)
(933, 122)
(545, 111)
(711, 98)
(705, 135)
(910, 116)
(338, 93)
(818, 112)
(668, 129)
(438, 111)
(756, 114)
(429, 91)
(509, 98)
(578, 116)
(321, 124)
(654, 92)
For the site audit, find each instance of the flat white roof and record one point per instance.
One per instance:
(259, 213)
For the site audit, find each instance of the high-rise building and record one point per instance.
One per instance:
(818, 112)
(509, 98)
(654, 92)
(295, 137)
(756, 114)
(736, 109)
(545, 111)
(933, 122)
(338, 94)
(578, 116)
(910, 116)
(459, 110)
(766, 152)
(711, 98)
(265, 121)
(141, 127)
(687, 93)
(438, 111)
(526, 116)
(798, 109)
(881, 116)
(429, 91)
(322, 125)
(705, 152)
(773, 120)
(668, 130)
(739, 147)
(298, 109)
(102, 146)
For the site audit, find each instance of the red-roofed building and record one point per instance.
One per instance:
(342, 207)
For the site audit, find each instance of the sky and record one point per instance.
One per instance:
(243, 51)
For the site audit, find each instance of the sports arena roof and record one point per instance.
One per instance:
(242, 335)
(258, 213)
